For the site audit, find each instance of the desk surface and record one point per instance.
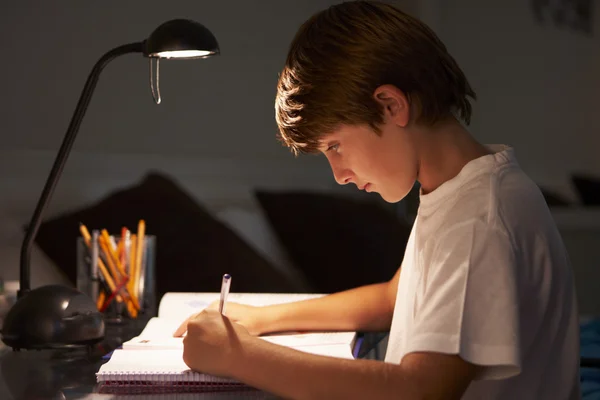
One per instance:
(71, 374)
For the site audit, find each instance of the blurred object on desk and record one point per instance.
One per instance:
(8, 297)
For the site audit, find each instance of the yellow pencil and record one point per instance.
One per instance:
(101, 298)
(141, 232)
(109, 260)
(112, 253)
(132, 258)
(105, 273)
(128, 295)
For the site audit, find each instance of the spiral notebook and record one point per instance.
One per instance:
(153, 361)
(156, 371)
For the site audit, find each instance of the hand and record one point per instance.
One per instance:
(213, 343)
(248, 316)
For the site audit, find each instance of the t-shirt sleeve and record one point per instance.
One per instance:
(468, 302)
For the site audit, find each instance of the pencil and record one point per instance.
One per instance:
(132, 258)
(109, 261)
(107, 277)
(126, 251)
(112, 253)
(122, 249)
(106, 274)
(138, 257)
(100, 300)
(113, 295)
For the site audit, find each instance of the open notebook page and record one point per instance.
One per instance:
(158, 334)
(176, 305)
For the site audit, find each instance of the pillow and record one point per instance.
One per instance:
(255, 229)
(554, 199)
(193, 250)
(588, 188)
(337, 242)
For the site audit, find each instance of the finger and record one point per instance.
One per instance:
(182, 328)
(184, 325)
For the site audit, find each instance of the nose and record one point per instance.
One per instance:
(342, 175)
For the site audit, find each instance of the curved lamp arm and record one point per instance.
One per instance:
(61, 158)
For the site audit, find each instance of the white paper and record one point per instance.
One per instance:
(158, 335)
(311, 339)
(174, 308)
(176, 305)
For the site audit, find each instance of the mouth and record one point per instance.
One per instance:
(365, 187)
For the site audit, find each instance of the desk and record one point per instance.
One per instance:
(71, 374)
(59, 374)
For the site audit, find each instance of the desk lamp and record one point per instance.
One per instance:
(56, 316)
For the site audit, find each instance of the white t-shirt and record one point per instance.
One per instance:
(486, 276)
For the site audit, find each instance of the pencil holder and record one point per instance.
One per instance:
(118, 273)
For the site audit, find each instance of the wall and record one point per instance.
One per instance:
(537, 84)
(222, 105)
(214, 130)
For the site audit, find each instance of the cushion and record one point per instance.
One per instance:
(193, 250)
(588, 188)
(252, 226)
(337, 242)
(554, 199)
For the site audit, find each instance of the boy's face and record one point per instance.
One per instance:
(385, 163)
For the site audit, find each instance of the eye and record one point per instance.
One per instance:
(334, 147)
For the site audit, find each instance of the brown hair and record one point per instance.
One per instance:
(342, 54)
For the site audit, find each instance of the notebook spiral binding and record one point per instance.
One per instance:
(147, 382)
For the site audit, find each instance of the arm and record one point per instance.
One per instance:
(293, 374)
(366, 308)
(217, 346)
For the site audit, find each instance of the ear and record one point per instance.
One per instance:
(395, 104)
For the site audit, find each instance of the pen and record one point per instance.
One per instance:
(224, 292)
(94, 271)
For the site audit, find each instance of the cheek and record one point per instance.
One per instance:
(401, 173)
(397, 165)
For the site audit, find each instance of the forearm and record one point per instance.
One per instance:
(293, 374)
(367, 308)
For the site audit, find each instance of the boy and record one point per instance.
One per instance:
(483, 304)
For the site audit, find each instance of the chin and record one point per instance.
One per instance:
(393, 197)
(391, 201)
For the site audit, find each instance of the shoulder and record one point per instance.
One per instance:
(500, 197)
(491, 194)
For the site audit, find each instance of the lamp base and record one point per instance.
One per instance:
(52, 317)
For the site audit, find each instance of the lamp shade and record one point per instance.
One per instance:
(181, 38)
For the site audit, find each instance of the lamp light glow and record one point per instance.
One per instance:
(184, 54)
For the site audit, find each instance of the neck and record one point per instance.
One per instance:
(443, 150)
